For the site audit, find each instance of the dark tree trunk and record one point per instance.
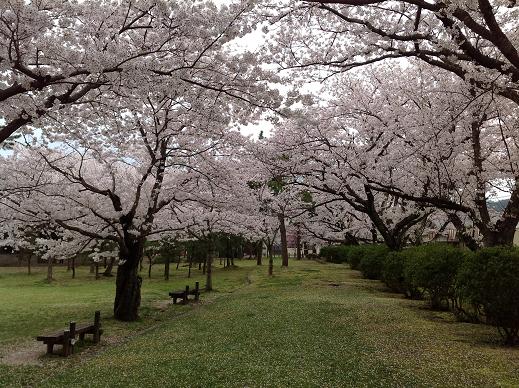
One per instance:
(374, 236)
(97, 270)
(74, 267)
(29, 258)
(209, 272)
(104, 262)
(298, 245)
(150, 264)
(259, 252)
(128, 282)
(166, 268)
(178, 262)
(204, 268)
(199, 265)
(271, 259)
(190, 266)
(109, 268)
(284, 245)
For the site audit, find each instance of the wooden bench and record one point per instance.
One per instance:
(67, 338)
(184, 294)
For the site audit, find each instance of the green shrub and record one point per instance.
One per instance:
(355, 255)
(393, 274)
(433, 268)
(372, 261)
(489, 279)
(336, 253)
(393, 271)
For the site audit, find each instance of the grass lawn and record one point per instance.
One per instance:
(315, 325)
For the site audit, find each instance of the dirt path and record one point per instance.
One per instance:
(27, 354)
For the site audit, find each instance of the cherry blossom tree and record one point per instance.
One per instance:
(57, 54)
(455, 151)
(122, 190)
(159, 108)
(475, 41)
(327, 157)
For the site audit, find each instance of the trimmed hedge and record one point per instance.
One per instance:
(337, 254)
(372, 254)
(489, 279)
(393, 274)
(433, 268)
(372, 260)
(355, 255)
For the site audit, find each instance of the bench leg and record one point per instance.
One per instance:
(50, 348)
(66, 343)
(97, 336)
(186, 295)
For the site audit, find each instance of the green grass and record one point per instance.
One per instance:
(315, 325)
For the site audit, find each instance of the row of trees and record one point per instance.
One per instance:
(416, 126)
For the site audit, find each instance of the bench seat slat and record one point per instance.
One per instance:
(84, 328)
(56, 336)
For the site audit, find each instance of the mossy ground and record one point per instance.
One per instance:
(311, 325)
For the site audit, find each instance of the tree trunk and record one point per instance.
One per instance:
(259, 252)
(204, 268)
(271, 259)
(284, 244)
(92, 267)
(298, 245)
(178, 262)
(150, 264)
(74, 267)
(29, 258)
(109, 268)
(50, 261)
(97, 270)
(209, 273)
(128, 282)
(166, 268)
(190, 266)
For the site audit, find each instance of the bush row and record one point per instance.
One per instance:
(477, 286)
